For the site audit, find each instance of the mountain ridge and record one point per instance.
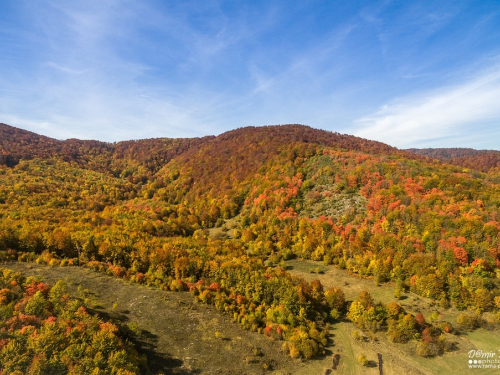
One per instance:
(483, 160)
(14, 142)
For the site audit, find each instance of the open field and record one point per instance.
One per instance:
(353, 285)
(178, 335)
(183, 337)
(397, 358)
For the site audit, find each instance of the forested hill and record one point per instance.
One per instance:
(145, 210)
(17, 144)
(145, 157)
(483, 160)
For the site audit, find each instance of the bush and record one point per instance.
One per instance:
(335, 314)
(5, 296)
(356, 335)
(446, 327)
(428, 349)
(342, 264)
(27, 257)
(468, 322)
(36, 305)
(300, 345)
(403, 329)
(363, 360)
(335, 299)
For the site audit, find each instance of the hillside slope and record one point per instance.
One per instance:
(142, 209)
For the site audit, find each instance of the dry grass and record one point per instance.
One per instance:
(397, 358)
(178, 335)
(183, 337)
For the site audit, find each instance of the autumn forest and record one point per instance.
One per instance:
(221, 217)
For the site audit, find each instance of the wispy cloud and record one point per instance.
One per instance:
(83, 83)
(122, 69)
(66, 69)
(306, 67)
(448, 114)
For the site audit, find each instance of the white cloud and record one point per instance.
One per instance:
(450, 112)
(66, 69)
(117, 70)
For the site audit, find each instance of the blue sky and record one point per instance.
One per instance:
(407, 73)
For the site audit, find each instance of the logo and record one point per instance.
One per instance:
(479, 359)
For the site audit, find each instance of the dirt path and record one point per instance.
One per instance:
(178, 335)
(397, 358)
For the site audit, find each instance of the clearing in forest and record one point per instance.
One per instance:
(397, 358)
(178, 335)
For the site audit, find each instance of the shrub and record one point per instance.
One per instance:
(355, 311)
(335, 299)
(428, 349)
(363, 360)
(27, 257)
(468, 322)
(5, 296)
(394, 310)
(445, 327)
(356, 335)
(36, 305)
(206, 296)
(397, 293)
(335, 314)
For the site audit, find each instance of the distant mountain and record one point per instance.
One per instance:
(482, 160)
